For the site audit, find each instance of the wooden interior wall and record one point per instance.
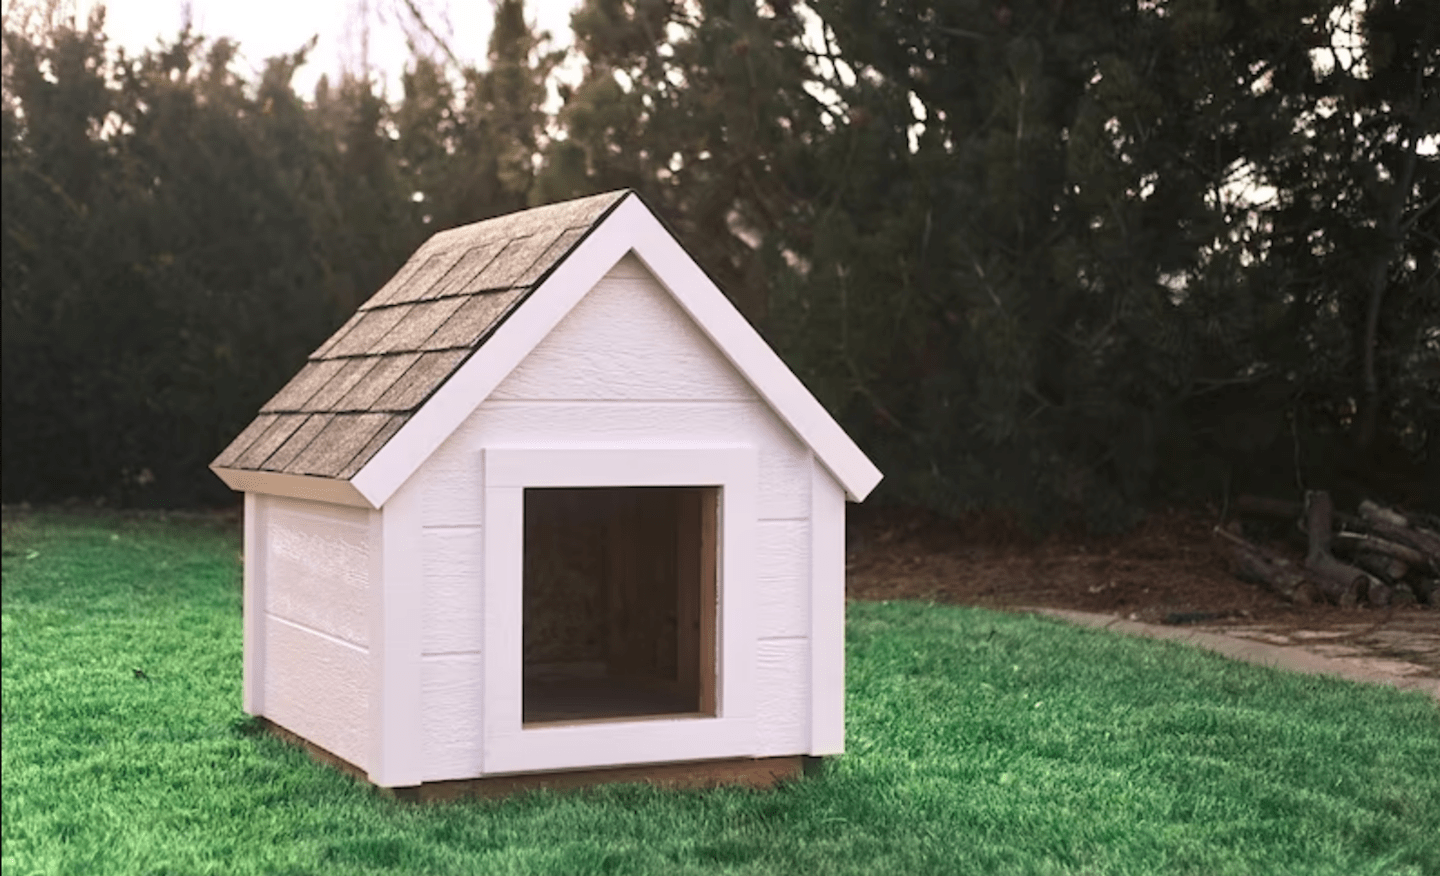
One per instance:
(621, 582)
(696, 537)
(564, 598)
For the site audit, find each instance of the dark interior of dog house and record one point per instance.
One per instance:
(619, 603)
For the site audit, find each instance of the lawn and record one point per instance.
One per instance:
(977, 743)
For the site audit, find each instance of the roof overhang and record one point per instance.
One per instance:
(331, 490)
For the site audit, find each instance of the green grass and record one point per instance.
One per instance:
(978, 743)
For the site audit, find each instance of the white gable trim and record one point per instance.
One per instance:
(630, 226)
(294, 486)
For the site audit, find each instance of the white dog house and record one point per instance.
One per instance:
(546, 503)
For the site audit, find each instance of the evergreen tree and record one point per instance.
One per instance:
(1352, 249)
(471, 153)
(162, 273)
(702, 108)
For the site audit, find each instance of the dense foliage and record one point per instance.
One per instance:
(1052, 257)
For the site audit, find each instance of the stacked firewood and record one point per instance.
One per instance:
(1378, 556)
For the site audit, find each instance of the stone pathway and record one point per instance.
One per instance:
(1345, 653)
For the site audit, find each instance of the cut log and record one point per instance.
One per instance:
(1394, 526)
(1403, 595)
(1360, 542)
(1341, 583)
(1427, 590)
(1288, 583)
(1386, 568)
(1377, 513)
(1414, 538)
(1275, 573)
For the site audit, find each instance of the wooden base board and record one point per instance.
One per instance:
(762, 772)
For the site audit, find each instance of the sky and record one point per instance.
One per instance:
(265, 28)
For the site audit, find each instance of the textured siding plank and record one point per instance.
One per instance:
(784, 467)
(626, 339)
(452, 487)
(783, 570)
(318, 687)
(453, 565)
(782, 697)
(316, 567)
(453, 697)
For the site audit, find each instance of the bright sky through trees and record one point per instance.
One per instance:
(265, 28)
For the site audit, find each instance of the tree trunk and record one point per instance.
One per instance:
(1341, 583)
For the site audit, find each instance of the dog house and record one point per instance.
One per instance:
(546, 503)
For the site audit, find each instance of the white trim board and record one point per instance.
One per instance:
(511, 748)
(630, 226)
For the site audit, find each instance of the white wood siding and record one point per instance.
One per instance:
(452, 491)
(453, 565)
(782, 673)
(626, 339)
(453, 703)
(783, 548)
(318, 687)
(317, 567)
(314, 674)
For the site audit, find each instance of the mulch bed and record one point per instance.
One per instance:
(1170, 569)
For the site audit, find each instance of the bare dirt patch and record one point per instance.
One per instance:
(1170, 570)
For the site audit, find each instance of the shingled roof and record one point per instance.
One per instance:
(374, 373)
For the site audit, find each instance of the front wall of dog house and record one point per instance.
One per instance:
(626, 365)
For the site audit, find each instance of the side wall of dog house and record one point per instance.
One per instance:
(626, 366)
(308, 621)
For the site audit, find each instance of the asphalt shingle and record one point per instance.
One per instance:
(366, 391)
(418, 324)
(304, 385)
(332, 448)
(475, 317)
(431, 271)
(243, 441)
(392, 425)
(351, 372)
(420, 380)
(261, 449)
(297, 442)
(369, 331)
(461, 278)
(365, 382)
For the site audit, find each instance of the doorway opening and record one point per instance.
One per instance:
(619, 603)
